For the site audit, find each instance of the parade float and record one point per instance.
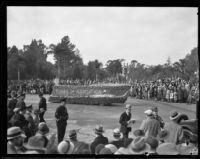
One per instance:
(99, 94)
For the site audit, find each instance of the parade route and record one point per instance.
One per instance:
(83, 118)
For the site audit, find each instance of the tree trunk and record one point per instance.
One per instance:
(18, 74)
(59, 68)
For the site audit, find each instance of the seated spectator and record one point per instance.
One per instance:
(176, 131)
(36, 143)
(153, 143)
(43, 130)
(100, 139)
(82, 148)
(99, 148)
(65, 147)
(73, 137)
(112, 148)
(15, 142)
(138, 146)
(167, 149)
(118, 142)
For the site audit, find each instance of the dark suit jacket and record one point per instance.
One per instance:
(123, 121)
(98, 140)
(118, 143)
(42, 103)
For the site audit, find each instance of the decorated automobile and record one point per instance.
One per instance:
(91, 94)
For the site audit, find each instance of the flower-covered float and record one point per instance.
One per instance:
(99, 94)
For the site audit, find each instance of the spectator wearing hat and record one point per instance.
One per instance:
(15, 142)
(18, 118)
(43, 130)
(12, 104)
(153, 143)
(73, 137)
(150, 126)
(125, 121)
(138, 146)
(100, 139)
(42, 107)
(139, 132)
(176, 131)
(65, 147)
(20, 103)
(61, 116)
(118, 142)
(112, 148)
(36, 143)
(158, 117)
(167, 149)
(99, 148)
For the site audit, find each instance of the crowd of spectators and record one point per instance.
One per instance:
(31, 86)
(169, 90)
(27, 135)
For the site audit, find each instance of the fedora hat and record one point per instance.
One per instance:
(36, 143)
(138, 146)
(167, 149)
(163, 134)
(174, 115)
(14, 132)
(65, 147)
(99, 129)
(72, 133)
(43, 128)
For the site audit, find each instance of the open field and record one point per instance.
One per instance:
(85, 117)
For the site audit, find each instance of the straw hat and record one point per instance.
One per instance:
(174, 115)
(148, 112)
(14, 132)
(116, 133)
(112, 148)
(138, 146)
(36, 143)
(65, 147)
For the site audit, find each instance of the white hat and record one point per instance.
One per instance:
(14, 132)
(112, 148)
(148, 112)
(128, 106)
(65, 147)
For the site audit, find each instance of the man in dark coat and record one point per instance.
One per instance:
(12, 104)
(100, 139)
(61, 116)
(42, 107)
(20, 103)
(125, 120)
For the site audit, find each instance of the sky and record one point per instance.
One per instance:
(147, 34)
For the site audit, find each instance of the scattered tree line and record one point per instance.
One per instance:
(31, 63)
